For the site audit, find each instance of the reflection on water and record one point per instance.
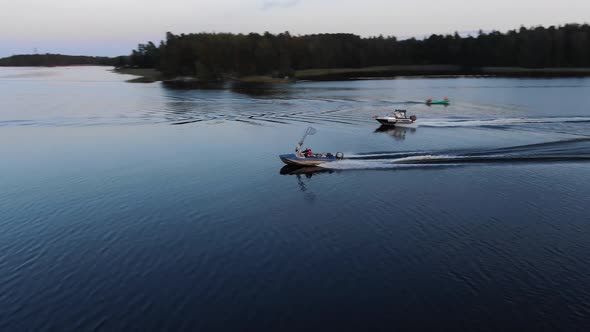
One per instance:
(308, 171)
(281, 90)
(304, 174)
(190, 84)
(397, 132)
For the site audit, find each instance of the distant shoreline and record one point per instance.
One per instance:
(148, 75)
(56, 60)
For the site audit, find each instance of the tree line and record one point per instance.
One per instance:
(216, 55)
(51, 60)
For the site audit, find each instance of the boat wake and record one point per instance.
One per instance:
(557, 151)
(499, 122)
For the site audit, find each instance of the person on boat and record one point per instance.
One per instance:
(307, 153)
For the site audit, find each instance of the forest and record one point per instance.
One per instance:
(217, 55)
(52, 60)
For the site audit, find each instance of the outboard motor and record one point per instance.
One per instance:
(339, 155)
(413, 117)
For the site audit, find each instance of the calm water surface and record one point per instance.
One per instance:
(137, 207)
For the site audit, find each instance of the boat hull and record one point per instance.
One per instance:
(391, 121)
(292, 159)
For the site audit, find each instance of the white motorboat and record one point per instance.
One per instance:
(398, 117)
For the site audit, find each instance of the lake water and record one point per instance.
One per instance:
(138, 207)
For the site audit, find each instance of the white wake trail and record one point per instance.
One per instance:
(499, 122)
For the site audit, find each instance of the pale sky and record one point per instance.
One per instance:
(114, 27)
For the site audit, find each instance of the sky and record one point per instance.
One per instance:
(115, 27)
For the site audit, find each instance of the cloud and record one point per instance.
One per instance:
(269, 4)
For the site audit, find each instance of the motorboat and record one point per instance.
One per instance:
(313, 160)
(307, 157)
(398, 117)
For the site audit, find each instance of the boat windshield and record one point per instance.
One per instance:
(399, 114)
